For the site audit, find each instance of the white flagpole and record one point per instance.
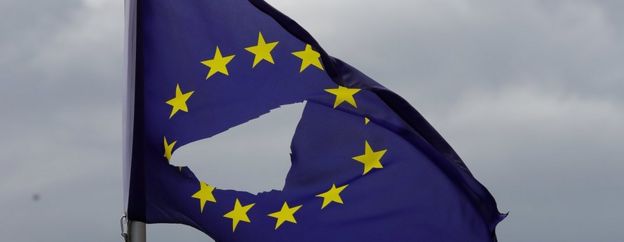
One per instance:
(136, 230)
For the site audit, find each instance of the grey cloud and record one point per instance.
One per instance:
(265, 162)
(61, 121)
(549, 157)
(434, 47)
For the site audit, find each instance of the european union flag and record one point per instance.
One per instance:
(366, 166)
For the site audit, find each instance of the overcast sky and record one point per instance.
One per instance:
(530, 93)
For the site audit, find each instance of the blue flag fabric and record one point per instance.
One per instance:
(366, 166)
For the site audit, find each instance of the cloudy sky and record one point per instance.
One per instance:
(529, 92)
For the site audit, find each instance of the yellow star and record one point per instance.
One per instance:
(332, 195)
(262, 50)
(366, 120)
(218, 64)
(179, 101)
(204, 195)
(285, 214)
(308, 57)
(370, 159)
(239, 213)
(344, 94)
(168, 148)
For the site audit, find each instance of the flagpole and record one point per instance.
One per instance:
(136, 230)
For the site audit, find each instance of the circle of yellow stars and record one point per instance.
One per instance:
(262, 52)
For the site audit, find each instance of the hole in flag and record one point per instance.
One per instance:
(252, 157)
